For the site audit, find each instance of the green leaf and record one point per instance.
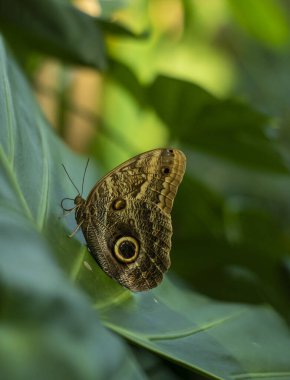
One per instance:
(265, 20)
(47, 327)
(59, 29)
(119, 30)
(227, 129)
(222, 341)
(53, 27)
(219, 128)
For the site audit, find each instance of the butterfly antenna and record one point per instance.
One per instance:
(87, 164)
(64, 208)
(70, 179)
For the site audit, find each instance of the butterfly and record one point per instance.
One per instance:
(126, 218)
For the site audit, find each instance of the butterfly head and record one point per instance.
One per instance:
(79, 205)
(78, 200)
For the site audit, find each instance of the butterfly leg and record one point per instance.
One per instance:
(75, 230)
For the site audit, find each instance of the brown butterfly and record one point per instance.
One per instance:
(126, 217)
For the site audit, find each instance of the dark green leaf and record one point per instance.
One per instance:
(231, 228)
(222, 128)
(119, 30)
(47, 327)
(227, 129)
(59, 29)
(254, 15)
(53, 27)
(223, 341)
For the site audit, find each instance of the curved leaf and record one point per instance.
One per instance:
(59, 29)
(47, 326)
(254, 15)
(222, 341)
(54, 27)
(225, 129)
(228, 129)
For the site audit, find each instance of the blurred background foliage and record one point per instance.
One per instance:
(209, 77)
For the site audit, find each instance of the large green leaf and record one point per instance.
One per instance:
(254, 15)
(48, 329)
(53, 27)
(219, 340)
(236, 239)
(223, 341)
(57, 28)
(226, 129)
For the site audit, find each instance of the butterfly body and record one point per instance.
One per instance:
(126, 218)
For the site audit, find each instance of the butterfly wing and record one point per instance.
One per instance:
(153, 176)
(128, 225)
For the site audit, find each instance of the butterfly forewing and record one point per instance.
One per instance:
(153, 176)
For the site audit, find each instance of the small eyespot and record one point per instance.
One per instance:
(165, 170)
(126, 249)
(119, 204)
(168, 153)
